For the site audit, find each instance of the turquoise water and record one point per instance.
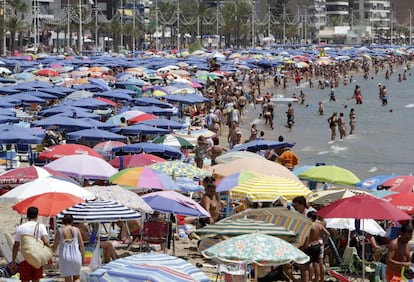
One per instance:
(382, 142)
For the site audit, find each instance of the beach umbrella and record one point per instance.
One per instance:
(62, 150)
(99, 211)
(257, 145)
(330, 174)
(95, 134)
(363, 207)
(163, 123)
(135, 160)
(369, 225)
(62, 121)
(139, 129)
(258, 165)
(83, 166)
(403, 200)
(49, 204)
(179, 168)
(176, 269)
(143, 178)
(176, 203)
(283, 217)
(325, 197)
(241, 226)
(121, 195)
(47, 72)
(18, 137)
(403, 183)
(22, 175)
(236, 155)
(256, 248)
(163, 151)
(132, 117)
(269, 189)
(44, 185)
(372, 183)
(173, 141)
(231, 181)
(105, 148)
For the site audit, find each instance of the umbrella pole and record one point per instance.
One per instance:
(363, 251)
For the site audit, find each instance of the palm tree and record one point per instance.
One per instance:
(16, 21)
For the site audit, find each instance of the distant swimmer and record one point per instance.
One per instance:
(399, 77)
(332, 96)
(384, 95)
(358, 94)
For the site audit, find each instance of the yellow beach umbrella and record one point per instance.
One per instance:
(269, 189)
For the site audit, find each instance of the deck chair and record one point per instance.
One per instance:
(155, 232)
(6, 247)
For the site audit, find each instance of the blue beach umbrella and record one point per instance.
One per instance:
(151, 148)
(257, 145)
(164, 123)
(139, 128)
(373, 182)
(95, 134)
(61, 121)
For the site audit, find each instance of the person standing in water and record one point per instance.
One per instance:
(352, 120)
(341, 126)
(357, 94)
(333, 120)
(290, 114)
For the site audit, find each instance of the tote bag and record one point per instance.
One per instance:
(34, 250)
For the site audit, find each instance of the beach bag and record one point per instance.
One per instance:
(34, 250)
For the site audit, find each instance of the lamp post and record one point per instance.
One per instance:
(133, 25)
(305, 23)
(217, 24)
(284, 24)
(68, 24)
(96, 25)
(410, 29)
(80, 27)
(4, 29)
(156, 25)
(122, 23)
(253, 27)
(178, 25)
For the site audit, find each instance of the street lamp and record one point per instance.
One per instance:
(4, 29)
(80, 28)
(68, 24)
(253, 19)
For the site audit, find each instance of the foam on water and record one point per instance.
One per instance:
(373, 169)
(409, 106)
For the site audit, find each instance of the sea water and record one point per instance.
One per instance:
(383, 138)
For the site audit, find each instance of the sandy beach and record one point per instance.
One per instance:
(186, 248)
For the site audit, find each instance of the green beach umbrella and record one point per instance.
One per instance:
(173, 141)
(257, 248)
(330, 174)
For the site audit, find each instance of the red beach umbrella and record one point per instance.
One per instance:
(47, 72)
(404, 201)
(59, 151)
(403, 183)
(49, 204)
(363, 207)
(22, 175)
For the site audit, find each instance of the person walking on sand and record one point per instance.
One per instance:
(27, 271)
(398, 255)
(290, 114)
(333, 120)
(71, 250)
(352, 120)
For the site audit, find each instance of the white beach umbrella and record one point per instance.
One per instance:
(44, 185)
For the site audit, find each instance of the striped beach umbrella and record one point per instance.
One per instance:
(151, 267)
(99, 211)
(241, 226)
(269, 189)
(293, 221)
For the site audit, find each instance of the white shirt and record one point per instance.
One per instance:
(29, 228)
